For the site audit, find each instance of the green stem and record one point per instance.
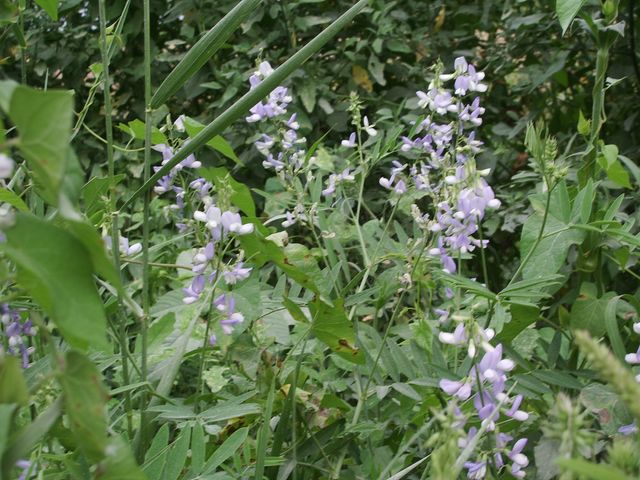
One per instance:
(115, 234)
(146, 294)
(538, 239)
(23, 48)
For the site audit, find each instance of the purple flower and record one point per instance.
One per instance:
(192, 292)
(164, 184)
(476, 470)
(458, 337)
(202, 258)
(516, 414)
(225, 304)
(27, 469)
(462, 390)
(351, 142)
(628, 429)
(633, 358)
(519, 460)
(16, 330)
(124, 247)
(236, 274)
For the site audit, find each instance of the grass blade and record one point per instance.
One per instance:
(202, 51)
(252, 97)
(263, 436)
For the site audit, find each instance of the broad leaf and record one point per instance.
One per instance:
(333, 328)
(49, 6)
(218, 143)
(13, 388)
(56, 269)
(551, 253)
(85, 399)
(567, 11)
(240, 196)
(43, 120)
(588, 311)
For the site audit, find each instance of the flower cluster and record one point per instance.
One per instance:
(442, 147)
(221, 226)
(632, 359)
(17, 331)
(283, 149)
(486, 385)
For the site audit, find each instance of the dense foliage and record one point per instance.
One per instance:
(319, 239)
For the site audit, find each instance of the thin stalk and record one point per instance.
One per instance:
(115, 235)
(363, 176)
(538, 239)
(146, 293)
(23, 48)
(98, 80)
(483, 257)
(210, 314)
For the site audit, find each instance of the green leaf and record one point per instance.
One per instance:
(551, 253)
(226, 450)
(618, 175)
(13, 388)
(49, 6)
(332, 327)
(34, 432)
(240, 196)
(260, 251)
(89, 237)
(197, 449)
(136, 128)
(240, 107)
(56, 269)
(95, 191)
(226, 412)
(263, 434)
(43, 120)
(613, 329)
(590, 470)
(584, 125)
(156, 457)
(521, 318)
(567, 11)
(308, 96)
(85, 399)
(583, 204)
(301, 257)
(218, 143)
(119, 464)
(588, 311)
(609, 155)
(6, 420)
(295, 311)
(7, 196)
(202, 51)
(177, 456)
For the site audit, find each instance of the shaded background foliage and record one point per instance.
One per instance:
(535, 73)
